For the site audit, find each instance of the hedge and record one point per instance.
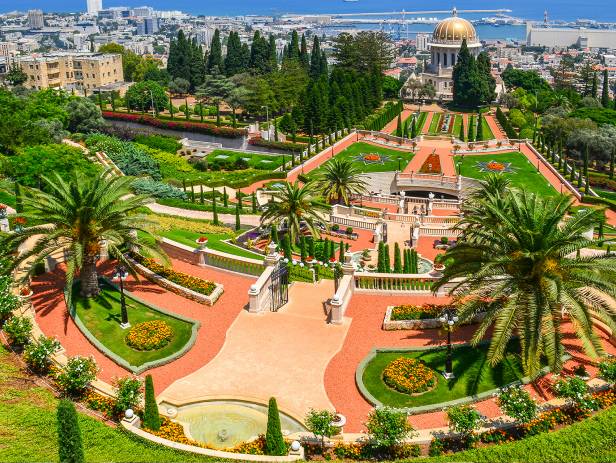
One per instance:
(280, 145)
(610, 203)
(187, 126)
(506, 125)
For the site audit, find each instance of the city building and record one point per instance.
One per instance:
(562, 37)
(8, 49)
(94, 6)
(147, 26)
(35, 19)
(422, 42)
(444, 46)
(79, 71)
(143, 12)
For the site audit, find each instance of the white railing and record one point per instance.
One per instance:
(438, 231)
(427, 180)
(362, 224)
(393, 282)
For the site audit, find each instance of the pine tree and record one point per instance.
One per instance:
(70, 448)
(304, 57)
(397, 259)
(214, 59)
(214, 210)
(605, 91)
(225, 197)
(386, 259)
(151, 417)
(238, 224)
(274, 442)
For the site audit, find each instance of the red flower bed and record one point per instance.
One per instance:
(432, 165)
(188, 126)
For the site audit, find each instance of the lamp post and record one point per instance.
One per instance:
(399, 159)
(267, 120)
(448, 318)
(152, 101)
(121, 274)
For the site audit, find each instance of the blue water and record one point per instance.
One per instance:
(533, 9)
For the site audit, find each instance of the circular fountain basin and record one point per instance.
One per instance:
(423, 265)
(224, 424)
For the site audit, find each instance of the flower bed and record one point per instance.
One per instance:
(197, 127)
(417, 312)
(409, 376)
(413, 317)
(150, 335)
(194, 288)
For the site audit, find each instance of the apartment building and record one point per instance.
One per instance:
(79, 71)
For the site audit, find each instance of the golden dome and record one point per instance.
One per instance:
(454, 29)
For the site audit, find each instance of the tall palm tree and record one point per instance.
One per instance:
(78, 217)
(294, 205)
(525, 261)
(340, 179)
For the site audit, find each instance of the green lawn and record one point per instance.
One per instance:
(101, 316)
(487, 131)
(215, 242)
(608, 194)
(457, 123)
(524, 176)
(390, 158)
(473, 375)
(421, 121)
(436, 117)
(254, 161)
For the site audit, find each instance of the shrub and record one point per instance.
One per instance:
(607, 370)
(151, 417)
(187, 281)
(349, 230)
(409, 376)
(580, 370)
(8, 301)
(418, 312)
(159, 142)
(128, 393)
(576, 391)
(436, 447)
(281, 145)
(464, 419)
(335, 227)
(70, 448)
(444, 240)
(38, 355)
(156, 189)
(150, 335)
(516, 402)
(388, 427)
(319, 422)
(274, 443)
(129, 158)
(77, 375)
(18, 330)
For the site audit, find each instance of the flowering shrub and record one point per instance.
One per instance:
(38, 355)
(77, 375)
(546, 421)
(607, 370)
(128, 393)
(517, 403)
(18, 330)
(197, 127)
(464, 419)
(417, 312)
(409, 376)
(187, 281)
(575, 390)
(149, 335)
(100, 403)
(495, 436)
(8, 301)
(174, 432)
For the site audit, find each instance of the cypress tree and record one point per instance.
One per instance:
(192, 191)
(414, 127)
(595, 85)
(274, 442)
(315, 58)
(480, 136)
(274, 234)
(214, 59)
(286, 248)
(238, 196)
(238, 225)
(70, 448)
(397, 259)
(214, 210)
(201, 199)
(19, 203)
(302, 248)
(461, 135)
(341, 253)
(386, 259)
(587, 185)
(471, 129)
(254, 202)
(381, 258)
(311, 248)
(399, 126)
(151, 417)
(414, 261)
(304, 57)
(572, 173)
(225, 197)
(332, 249)
(605, 92)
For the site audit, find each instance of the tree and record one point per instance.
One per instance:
(473, 84)
(214, 209)
(234, 60)
(274, 442)
(320, 423)
(238, 224)
(339, 180)
(70, 447)
(84, 116)
(364, 51)
(397, 259)
(179, 60)
(78, 216)
(296, 206)
(142, 95)
(388, 428)
(151, 416)
(214, 59)
(130, 59)
(216, 88)
(605, 92)
(179, 86)
(530, 274)
(465, 420)
(15, 76)
(315, 58)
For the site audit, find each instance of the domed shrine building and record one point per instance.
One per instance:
(444, 47)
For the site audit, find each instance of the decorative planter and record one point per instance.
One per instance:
(201, 243)
(25, 295)
(423, 324)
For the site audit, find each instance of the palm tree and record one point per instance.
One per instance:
(78, 217)
(523, 260)
(340, 179)
(295, 206)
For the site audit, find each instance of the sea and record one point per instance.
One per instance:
(566, 10)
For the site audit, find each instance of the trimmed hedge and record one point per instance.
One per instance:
(280, 145)
(505, 124)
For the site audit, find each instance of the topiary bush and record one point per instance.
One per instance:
(128, 393)
(465, 420)
(70, 448)
(151, 417)
(274, 442)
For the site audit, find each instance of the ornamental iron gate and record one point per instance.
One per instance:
(279, 287)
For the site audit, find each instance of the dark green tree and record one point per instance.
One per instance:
(386, 258)
(254, 202)
(397, 259)
(238, 224)
(605, 92)
(70, 447)
(274, 442)
(214, 58)
(151, 417)
(214, 209)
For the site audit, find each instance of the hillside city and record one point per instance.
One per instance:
(306, 237)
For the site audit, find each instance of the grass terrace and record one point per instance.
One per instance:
(473, 375)
(251, 160)
(387, 158)
(102, 315)
(514, 165)
(216, 241)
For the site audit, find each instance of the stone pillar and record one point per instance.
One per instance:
(272, 257)
(430, 203)
(348, 268)
(201, 255)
